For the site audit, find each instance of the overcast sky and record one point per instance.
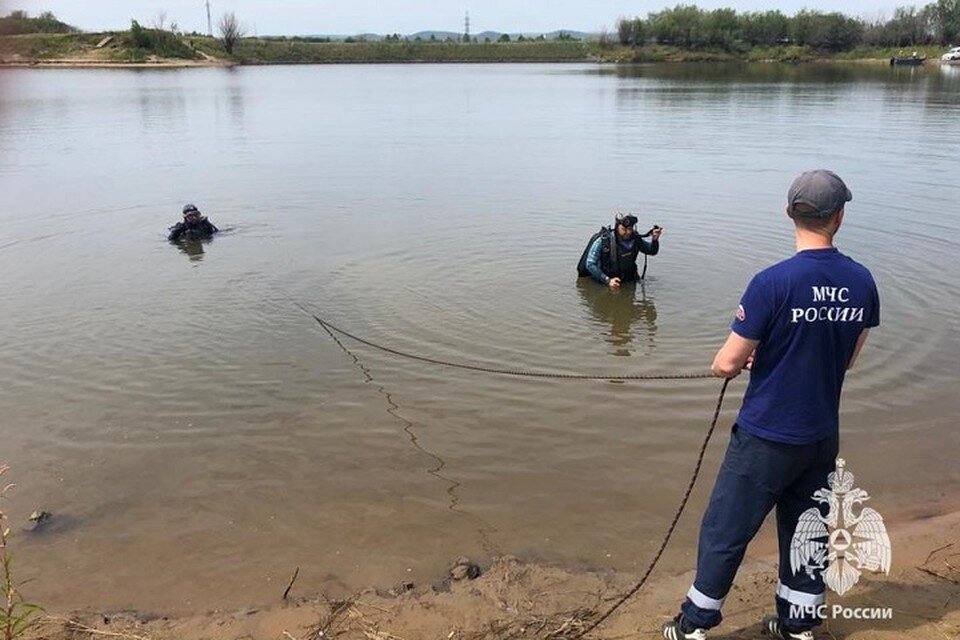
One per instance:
(403, 16)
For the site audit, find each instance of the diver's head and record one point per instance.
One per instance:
(191, 214)
(625, 225)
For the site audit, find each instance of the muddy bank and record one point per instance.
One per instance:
(78, 64)
(100, 64)
(514, 599)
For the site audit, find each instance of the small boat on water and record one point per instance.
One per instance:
(908, 61)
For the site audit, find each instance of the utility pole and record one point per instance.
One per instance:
(466, 27)
(209, 21)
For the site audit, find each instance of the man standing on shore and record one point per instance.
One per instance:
(799, 327)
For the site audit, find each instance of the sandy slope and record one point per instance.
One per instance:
(517, 600)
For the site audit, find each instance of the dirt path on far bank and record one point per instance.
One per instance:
(513, 599)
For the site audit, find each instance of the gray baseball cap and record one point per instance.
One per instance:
(821, 190)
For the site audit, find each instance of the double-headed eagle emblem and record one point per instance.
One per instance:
(842, 544)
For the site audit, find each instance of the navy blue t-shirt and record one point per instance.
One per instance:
(807, 312)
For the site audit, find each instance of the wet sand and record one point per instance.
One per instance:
(102, 64)
(514, 599)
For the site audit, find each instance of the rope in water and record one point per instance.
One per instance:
(673, 525)
(331, 329)
(499, 371)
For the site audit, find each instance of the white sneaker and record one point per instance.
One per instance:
(771, 625)
(672, 630)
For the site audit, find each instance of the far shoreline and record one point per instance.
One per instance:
(220, 63)
(117, 50)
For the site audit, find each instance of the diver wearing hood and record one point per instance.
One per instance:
(195, 226)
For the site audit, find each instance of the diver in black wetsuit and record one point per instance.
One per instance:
(611, 258)
(195, 226)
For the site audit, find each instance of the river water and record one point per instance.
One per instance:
(197, 435)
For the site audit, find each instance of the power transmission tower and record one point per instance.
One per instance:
(466, 27)
(209, 21)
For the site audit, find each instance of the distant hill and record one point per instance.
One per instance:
(493, 36)
(439, 35)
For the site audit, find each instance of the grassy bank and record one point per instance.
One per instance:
(152, 46)
(258, 51)
(122, 47)
(786, 53)
(45, 46)
(885, 53)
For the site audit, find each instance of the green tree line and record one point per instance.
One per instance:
(691, 27)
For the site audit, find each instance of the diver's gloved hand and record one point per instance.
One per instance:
(657, 230)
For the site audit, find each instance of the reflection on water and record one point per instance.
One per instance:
(446, 221)
(161, 111)
(691, 87)
(631, 314)
(236, 102)
(193, 247)
(234, 99)
(734, 74)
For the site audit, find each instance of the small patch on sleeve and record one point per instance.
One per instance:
(741, 314)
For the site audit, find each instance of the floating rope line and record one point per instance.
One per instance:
(331, 329)
(393, 409)
(673, 525)
(499, 371)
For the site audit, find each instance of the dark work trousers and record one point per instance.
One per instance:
(756, 476)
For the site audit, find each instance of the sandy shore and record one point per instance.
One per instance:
(100, 64)
(513, 599)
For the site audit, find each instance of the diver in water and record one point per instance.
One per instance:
(611, 255)
(195, 226)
